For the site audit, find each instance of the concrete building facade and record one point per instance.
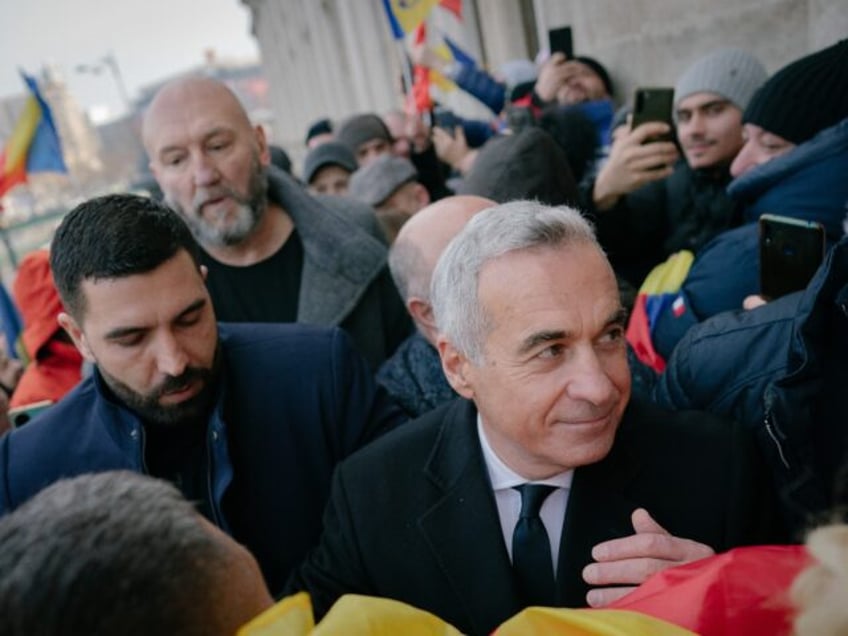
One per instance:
(333, 58)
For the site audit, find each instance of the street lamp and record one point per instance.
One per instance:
(109, 62)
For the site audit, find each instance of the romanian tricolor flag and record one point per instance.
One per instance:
(405, 15)
(659, 291)
(34, 145)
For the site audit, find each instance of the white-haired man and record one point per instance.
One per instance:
(545, 484)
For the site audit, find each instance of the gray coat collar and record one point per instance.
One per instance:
(340, 259)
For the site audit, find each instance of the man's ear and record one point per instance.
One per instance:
(422, 314)
(264, 150)
(73, 330)
(204, 272)
(455, 366)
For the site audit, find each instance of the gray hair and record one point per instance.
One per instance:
(111, 553)
(519, 225)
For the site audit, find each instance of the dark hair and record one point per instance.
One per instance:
(113, 236)
(111, 553)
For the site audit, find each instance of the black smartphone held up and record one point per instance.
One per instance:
(791, 251)
(654, 104)
(20, 415)
(559, 39)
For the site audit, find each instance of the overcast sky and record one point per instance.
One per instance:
(150, 39)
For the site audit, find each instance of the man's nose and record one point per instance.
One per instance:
(744, 161)
(171, 357)
(205, 171)
(695, 125)
(589, 380)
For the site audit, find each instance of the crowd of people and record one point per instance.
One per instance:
(411, 369)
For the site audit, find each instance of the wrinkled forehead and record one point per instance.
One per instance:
(189, 108)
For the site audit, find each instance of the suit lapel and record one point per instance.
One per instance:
(598, 509)
(462, 528)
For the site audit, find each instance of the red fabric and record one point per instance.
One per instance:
(527, 102)
(37, 300)
(454, 6)
(54, 373)
(639, 335)
(743, 591)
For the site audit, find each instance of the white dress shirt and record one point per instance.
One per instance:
(508, 500)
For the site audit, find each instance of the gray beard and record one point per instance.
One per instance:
(250, 210)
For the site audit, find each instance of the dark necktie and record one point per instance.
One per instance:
(531, 549)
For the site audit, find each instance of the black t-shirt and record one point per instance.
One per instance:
(179, 454)
(264, 292)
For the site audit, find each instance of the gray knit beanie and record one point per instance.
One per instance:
(731, 73)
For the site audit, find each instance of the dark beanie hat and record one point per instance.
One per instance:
(359, 129)
(806, 97)
(598, 69)
(528, 165)
(331, 153)
(320, 127)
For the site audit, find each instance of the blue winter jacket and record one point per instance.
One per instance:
(810, 182)
(294, 401)
(770, 369)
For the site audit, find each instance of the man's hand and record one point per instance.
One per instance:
(633, 163)
(552, 75)
(753, 301)
(453, 149)
(627, 562)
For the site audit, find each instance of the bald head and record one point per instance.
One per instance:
(186, 99)
(422, 240)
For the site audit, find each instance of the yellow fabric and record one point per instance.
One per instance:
(437, 79)
(292, 616)
(22, 134)
(549, 621)
(411, 13)
(667, 277)
(372, 616)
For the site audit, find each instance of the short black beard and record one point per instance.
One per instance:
(148, 408)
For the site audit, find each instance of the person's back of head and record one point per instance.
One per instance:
(114, 236)
(527, 165)
(120, 553)
(420, 242)
(575, 133)
(379, 180)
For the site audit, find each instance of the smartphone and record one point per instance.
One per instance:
(791, 250)
(654, 104)
(20, 415)
(559, 40)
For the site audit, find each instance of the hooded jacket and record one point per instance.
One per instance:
(807, 183)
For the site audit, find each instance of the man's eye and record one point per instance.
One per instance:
(613, 336)
(553, 351)
(173, 161)
(190, 320)
(129, 341)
